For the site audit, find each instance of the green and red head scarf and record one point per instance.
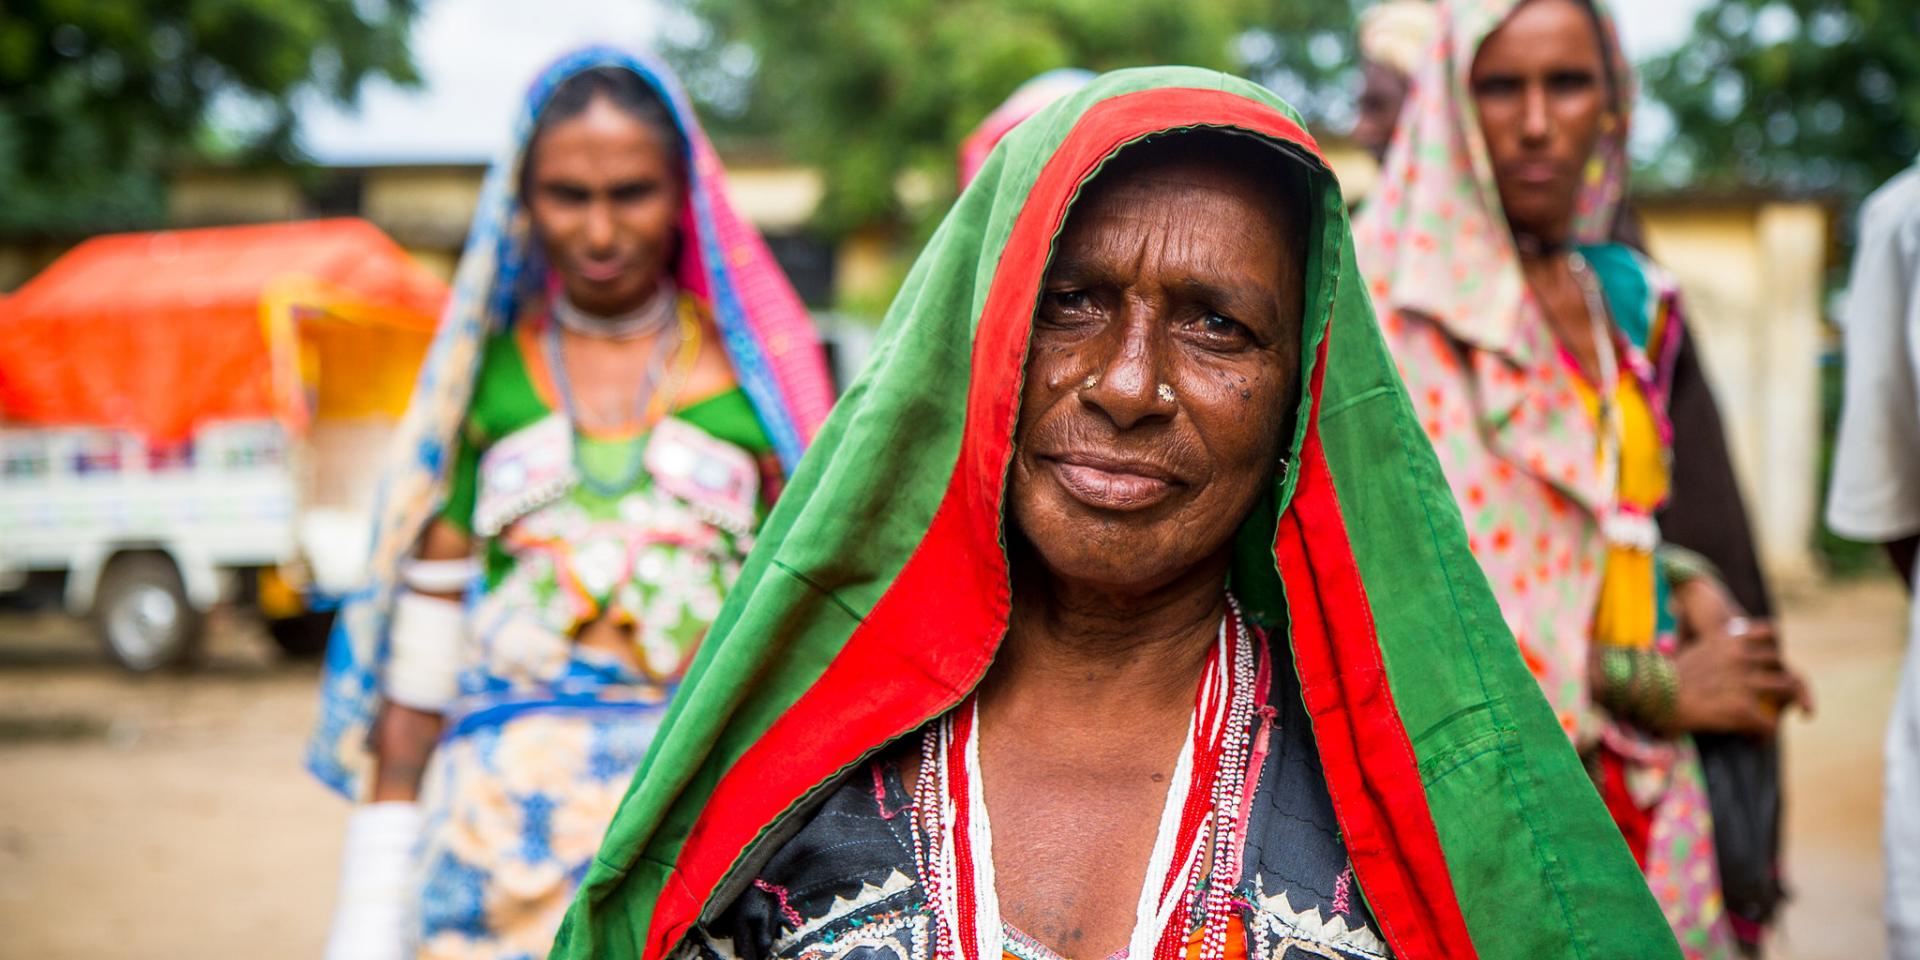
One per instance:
(879, 592)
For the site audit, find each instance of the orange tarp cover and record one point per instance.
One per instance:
(158, 332)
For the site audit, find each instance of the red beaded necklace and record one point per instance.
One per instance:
(954, 839)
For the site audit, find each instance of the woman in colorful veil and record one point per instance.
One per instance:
(1539, 357)
(618, 386)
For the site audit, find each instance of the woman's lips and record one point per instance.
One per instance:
(1112, 484)
(593, 272)
(1536, 174)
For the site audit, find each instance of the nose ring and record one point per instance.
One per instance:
(1091, 380)
(1165, 393)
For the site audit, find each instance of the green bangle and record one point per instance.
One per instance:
(1616, 680)
(1683, 565)
(1639, 686)
(1661, 694)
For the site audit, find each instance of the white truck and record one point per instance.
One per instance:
(149, 539)
(194, 416)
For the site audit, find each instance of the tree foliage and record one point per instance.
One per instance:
(871, 90)
(1820, 95)
(97, 97)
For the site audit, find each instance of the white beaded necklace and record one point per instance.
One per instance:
(953, 837)
(648, 318)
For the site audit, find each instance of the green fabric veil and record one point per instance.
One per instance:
(879, 592)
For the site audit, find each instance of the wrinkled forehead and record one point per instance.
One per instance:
(1230, 201)
(1215, 161)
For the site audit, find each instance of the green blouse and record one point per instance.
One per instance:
(513, 390)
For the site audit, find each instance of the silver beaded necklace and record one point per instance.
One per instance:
(648, 318)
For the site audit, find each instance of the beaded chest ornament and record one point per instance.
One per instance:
(1196, 851)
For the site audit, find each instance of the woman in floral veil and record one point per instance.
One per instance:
(1539, 359)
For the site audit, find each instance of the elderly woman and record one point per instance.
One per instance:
(1539, 359)
(1119, 607)
(583, 471)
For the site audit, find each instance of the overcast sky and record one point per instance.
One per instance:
(476, 57)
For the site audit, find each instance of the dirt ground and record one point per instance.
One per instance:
(169, 816)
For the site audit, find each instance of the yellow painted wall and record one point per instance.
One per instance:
(431, 203)
(777, 198)
(214, 196)
(1753, 274)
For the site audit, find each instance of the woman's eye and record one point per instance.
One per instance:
(634, 192)
(1223, 330)
(1068, 310)
(1497, 87)
(1570, 82)
(566, 194)
(1068, 299)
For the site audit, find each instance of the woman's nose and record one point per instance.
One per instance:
(1126, 382)
(600, 227)
(1535, 122)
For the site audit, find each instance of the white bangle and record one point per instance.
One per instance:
(378, 904)
(423, 670)
(439, 576)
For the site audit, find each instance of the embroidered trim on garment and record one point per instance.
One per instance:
(1281, 927)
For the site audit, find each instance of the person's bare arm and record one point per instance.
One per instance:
(403, 737)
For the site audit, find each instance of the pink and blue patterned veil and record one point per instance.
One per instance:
(769, 339)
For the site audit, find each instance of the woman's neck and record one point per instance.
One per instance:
(1542, 264)
(1548, 271)
(1107, 654)
(1543, 259)
(1540, 245)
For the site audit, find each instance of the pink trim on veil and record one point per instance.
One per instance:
(774, 313)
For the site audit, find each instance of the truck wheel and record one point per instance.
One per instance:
(141, 613)
(302, 636)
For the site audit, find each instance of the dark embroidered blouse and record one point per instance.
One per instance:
(845, 886)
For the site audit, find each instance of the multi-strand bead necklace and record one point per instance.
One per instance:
(1196, 851)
